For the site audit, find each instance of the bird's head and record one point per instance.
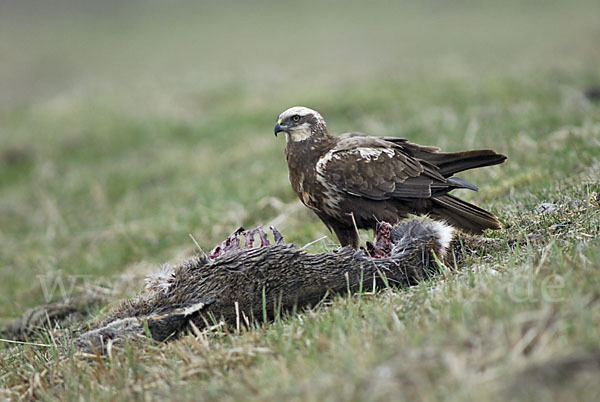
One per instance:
(300, 123)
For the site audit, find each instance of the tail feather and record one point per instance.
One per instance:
(463, 215)
(452, 163)
(457, 182)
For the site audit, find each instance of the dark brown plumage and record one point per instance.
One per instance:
(354, 181)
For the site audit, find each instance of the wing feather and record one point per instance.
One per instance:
(377, 169)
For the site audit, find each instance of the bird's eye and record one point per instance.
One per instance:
(295, 118)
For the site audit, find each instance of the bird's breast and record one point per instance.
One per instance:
(305, 186)
(304, 178)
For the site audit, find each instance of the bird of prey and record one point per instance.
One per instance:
(353, 181)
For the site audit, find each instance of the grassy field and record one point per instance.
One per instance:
(124, 129)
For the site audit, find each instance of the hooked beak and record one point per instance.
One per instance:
(278, 128)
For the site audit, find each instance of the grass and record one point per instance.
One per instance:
(125, 130)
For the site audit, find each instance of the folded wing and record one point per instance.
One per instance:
(378, 169)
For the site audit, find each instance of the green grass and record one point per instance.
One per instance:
(124, 130)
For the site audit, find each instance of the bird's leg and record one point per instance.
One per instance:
(347, 236)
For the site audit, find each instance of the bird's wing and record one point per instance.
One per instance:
(447, 164)
(377, 169)
(407, 146)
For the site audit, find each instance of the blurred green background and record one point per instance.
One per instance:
(178, 51)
